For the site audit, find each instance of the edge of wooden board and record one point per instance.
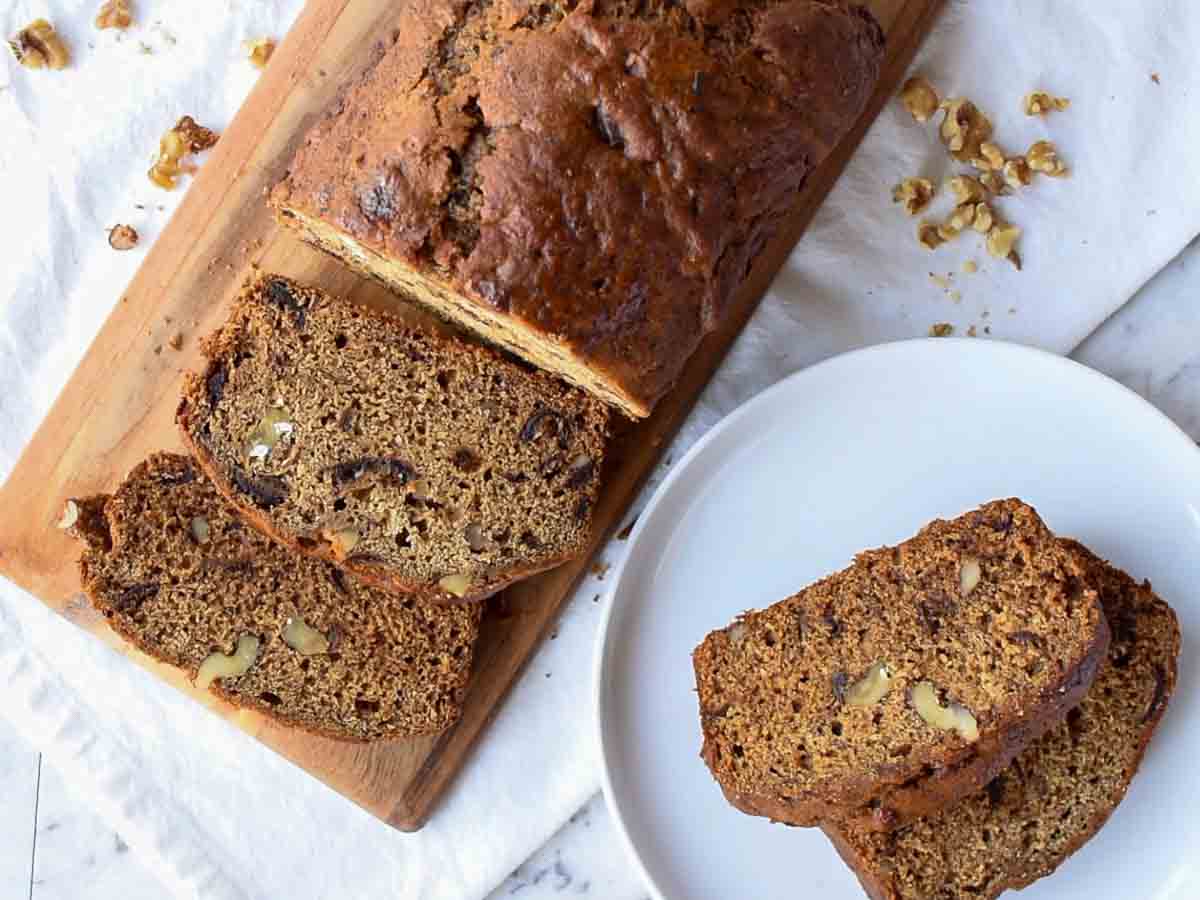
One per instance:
(47, 459)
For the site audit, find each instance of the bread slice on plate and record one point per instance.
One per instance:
(182, 578)
(1057, 793)
(415, 461)
(587, 184)
(907, 681)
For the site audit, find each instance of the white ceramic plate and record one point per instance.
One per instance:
(860, 451)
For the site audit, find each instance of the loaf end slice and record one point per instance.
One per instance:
(586, 184)
(1059, 792)
(415, 461)
(176, 573)
(904, 683)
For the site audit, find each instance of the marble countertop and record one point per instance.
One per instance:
(53, 847)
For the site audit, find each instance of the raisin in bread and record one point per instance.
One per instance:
(179, 575)
(417, 462)
(1057, 793)
(905, 682)
(585, 183)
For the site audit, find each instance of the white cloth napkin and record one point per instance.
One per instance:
(214, 814)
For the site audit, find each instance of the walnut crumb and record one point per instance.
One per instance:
(38, 46)
(914, 193)
(114, 14)
(123, 237)
(969, 266)
(1001, 243)
(941, 329)
(1041, 103)
(928, 235)
(919, 98)
(186, 137)
(1043, 157)
(259, 51)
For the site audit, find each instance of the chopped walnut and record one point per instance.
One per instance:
(186, 137)
(984, 218)
(1017, 173)
(961, 218)
(114, 14)
(1041, 103)
(965, 189)
(1001, 243)
(941, 329)
(1043, 157)
(994, 182)
(38, 46)
(964, 129)
(123, 237)
(991, 157)
(928, 235)
(919, 98)
(259, 51)
(914, 193)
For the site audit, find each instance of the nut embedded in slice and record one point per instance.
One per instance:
(914, 193)
(259, 51)
(114, 14)
(38, 46)
(968, 575)
(871, 688)
(919, 98)
(123, 237)
(455, 584)
(952, 717)
(200, 529)
(1041, 103)
(220, 665)
(342, 540)
(185, 138)
(929, 236)
(271, 428)
(1043, 157)
(304, 639)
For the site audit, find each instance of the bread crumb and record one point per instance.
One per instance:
(941, 329)
(971, 332)
(600, 569)
(1154, 77)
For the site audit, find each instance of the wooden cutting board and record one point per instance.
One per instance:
(119, 404)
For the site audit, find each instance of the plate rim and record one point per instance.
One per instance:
(730, 419)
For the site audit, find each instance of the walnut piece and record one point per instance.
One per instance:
(455, 584)
(1043, 157)
(960, 219)
(914, 193)
(38, 46)
(114, 14)
(969, 574)
(219, 665)
(994, 182)
(952, 717)
(990, 158)
(929, 236)
(302, 638)
(964, 129)
(941, 329)
(1017, 173)
(1041, 103)
(984, 218)
(871, 688)
(259, 51)
(186, 137)
(123, 237)
(919, 98)
(966, 189)
(1001, 242)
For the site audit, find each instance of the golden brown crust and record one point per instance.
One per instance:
(600, 174)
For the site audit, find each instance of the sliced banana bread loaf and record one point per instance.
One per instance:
(1058, 792)
(586, 182)
(182, 578)
(417, 462)
(904, 683)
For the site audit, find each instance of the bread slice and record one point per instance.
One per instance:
(586, 184)
(417, 462)
(1057, 793)
(178, 575)
(904, 683)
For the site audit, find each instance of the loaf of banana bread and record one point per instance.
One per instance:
(177, 574)
(903, 684)
(417, 462)
(1057, 793)
(586, 182)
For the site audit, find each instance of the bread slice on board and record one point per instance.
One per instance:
(587, 184)
(1057, 793)
(415, 461)
(181, 577)
(906, 682)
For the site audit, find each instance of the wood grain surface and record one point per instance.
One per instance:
(119, 405)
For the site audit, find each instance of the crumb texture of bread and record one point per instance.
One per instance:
(988, 634)
(586, 182)
(420, 463)
(1057, 793)
(177, 574)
